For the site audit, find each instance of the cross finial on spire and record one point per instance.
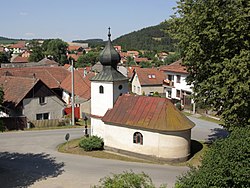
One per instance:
(109, 35)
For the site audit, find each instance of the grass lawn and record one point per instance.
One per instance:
(72, 147)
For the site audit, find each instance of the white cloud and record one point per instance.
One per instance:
(23, 13)
(29, 34)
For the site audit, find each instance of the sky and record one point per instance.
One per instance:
(80, 19)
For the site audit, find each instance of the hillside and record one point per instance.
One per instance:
(4, 40)
(150, 38)
(92, 42)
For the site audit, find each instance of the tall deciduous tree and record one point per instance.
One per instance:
(3, 58)
(87, 59)
(37, 52)
(56, 49)
(215, 40)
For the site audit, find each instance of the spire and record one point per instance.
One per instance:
(109, 56)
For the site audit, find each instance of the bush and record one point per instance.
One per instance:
(127, 180)
(91, 143)
(226, 164)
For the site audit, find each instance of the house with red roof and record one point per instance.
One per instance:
(51, 76)
(147, 81)
(142, 126)
(81, 90)
(31, 98)
(175, 84)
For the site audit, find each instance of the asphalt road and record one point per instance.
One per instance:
(30, 159)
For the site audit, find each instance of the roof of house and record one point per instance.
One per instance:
(153, 113)
(175, 67)
(81, 84)
(73, 48)
(141, 59)
(51, 76)
(46, 61)
(149, 76)
(19, 44)
(74, 56)
(16, 88)
(20, 59)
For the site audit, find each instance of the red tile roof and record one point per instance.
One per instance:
(153, 113)
(141, 59)
(51, 76)
(81, 84)
(73, 48)
(73, 56)
(175, 67)
(150, 76)
(20, 44)
(19, 59)
(16, 88)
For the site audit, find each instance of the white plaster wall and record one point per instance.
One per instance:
(97, 127)
(101, 102)
(178, 86)
(135, 84)
(172, 145)
(66, 97)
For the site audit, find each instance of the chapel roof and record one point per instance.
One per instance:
(152, 113)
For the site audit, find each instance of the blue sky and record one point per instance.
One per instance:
(80, 19)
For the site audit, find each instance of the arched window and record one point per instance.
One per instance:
(138, 138)
(101, 89)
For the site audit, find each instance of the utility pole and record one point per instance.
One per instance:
(72, 94)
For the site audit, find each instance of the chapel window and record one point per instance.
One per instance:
(138, 138)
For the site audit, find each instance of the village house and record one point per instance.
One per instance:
(175, 84)
(81, 91)
(147, 81)
(31, 98)
(149, 127)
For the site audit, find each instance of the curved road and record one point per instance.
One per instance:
(30, 159)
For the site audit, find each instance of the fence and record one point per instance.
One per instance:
(45, 123)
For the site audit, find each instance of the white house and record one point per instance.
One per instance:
(148, 127)
(175, 84)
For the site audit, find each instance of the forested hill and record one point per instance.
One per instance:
(4, 40)
(150, 38)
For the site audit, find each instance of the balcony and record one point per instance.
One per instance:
(168, 83)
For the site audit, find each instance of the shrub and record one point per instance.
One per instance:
(127, 180)
(91, 143)
(226, 164)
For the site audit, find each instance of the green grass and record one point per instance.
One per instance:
(72, 147)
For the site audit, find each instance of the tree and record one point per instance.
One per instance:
(4, 58)
(227, 164)
(37, 52)
(127, 180)
(214, 41)
(56, 49)
(172, 58)
(87, 59)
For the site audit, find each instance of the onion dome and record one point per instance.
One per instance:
(109, 56)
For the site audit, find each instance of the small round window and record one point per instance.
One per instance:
(120, 87)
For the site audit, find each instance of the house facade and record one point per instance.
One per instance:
(175, 84)
(147, 81)
(31, 98)
(149, 127)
